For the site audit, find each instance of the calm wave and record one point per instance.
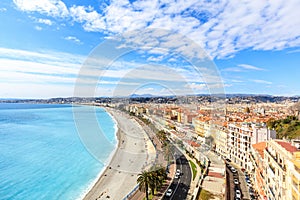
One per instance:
(41, 154)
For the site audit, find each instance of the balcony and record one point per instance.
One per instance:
(271, 170)
(272, 192)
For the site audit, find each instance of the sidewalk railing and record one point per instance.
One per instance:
(131, 193)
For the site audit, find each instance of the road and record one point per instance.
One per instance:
(180, 186)
(230, 185)
(242, 186)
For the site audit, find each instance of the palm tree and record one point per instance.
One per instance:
(158, 177)
(144, 180)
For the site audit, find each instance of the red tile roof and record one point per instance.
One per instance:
(193, 144)
(287, 146)
(259, 147)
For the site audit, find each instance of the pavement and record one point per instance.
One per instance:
(215, 181)
(138, 195)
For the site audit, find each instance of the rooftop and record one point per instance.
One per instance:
(288, 146)
(259, 147)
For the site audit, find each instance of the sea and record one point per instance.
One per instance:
(42, 155)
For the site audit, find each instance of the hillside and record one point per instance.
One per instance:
(286, 128)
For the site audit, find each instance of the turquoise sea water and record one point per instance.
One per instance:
(41, 154)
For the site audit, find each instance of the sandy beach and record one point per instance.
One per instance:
(135, 152)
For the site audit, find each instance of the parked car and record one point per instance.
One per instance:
(238, 194)
(169, 192)
(233, 170)
(236, 181)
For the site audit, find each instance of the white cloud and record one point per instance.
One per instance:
(3, 9)
(243, 68)
(38, 28)
(92, 21)
(222, 28)
(200, 86)
(54, 8)
(73, 39)
(261, 81)
(250, 67)
(45, 21)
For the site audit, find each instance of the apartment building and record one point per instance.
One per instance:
(295, 176)
(258, 166)
(221, 140)
(240, 138)
(282, 170)
(202, 126)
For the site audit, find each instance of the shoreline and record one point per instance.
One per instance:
(118, 177)
(109, 159)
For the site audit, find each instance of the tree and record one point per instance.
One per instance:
(153, 179)
(158, 177)
(144, 180)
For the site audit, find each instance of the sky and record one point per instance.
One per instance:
(64, 48)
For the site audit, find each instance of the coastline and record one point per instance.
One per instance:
(130, 156)
(109, 159)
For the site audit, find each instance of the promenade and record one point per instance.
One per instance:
(134, 154)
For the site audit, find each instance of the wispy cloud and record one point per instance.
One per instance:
(73, 39)
(243, 68)
(250, 67)
(261, 81)
(258, 25)
(38, 28)
(56, 69)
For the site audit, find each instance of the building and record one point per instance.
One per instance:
(258, 166)
(221, 141)
(282, 170)
(240, 138)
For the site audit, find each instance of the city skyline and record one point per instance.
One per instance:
(43, 45)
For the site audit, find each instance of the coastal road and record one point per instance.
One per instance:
(180, 186)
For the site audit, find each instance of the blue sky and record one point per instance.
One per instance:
(238, 47)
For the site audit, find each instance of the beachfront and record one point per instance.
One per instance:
(135, 152)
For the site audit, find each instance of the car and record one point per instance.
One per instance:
(169, 192)
(176, 176)
(236, 181)
(238, 194)
(233, 170)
